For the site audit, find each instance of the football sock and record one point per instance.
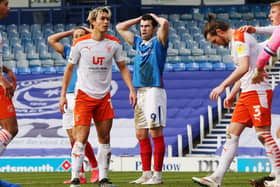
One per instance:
(77, 156)
(103, 157)
(228, 153)
(159, 150)
(90, 155)
(146, 154)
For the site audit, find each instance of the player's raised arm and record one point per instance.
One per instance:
(163, 29)
(123, 27)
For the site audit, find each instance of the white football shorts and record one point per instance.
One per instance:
(68, 116)
(150, 110)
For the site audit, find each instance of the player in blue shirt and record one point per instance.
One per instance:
(150, 110)
(67, 118)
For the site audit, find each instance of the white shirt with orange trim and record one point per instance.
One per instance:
(94, 59)
(244, 44)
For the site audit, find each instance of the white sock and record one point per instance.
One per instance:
(103, 159)
(228, 153)
(77, 156)
(5, 138)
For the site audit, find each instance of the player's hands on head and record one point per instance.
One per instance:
(248, 28)
(259, 76)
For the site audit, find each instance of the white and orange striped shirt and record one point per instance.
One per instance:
(94, 59)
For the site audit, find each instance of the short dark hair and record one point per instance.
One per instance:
(213, 24)
(149, 17)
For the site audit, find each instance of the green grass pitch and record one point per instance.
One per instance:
(121, 179)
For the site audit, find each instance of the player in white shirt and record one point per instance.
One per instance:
(274, 17)
(253, 105)
(94, 54)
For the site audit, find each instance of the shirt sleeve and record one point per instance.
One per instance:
(266, 29)
(119, 55)
(135, 41)
(242, 48)
(74, 56)
(270, 49)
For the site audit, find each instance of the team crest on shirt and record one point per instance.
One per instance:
(108, 49)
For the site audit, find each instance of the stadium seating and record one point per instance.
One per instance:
(185, 37)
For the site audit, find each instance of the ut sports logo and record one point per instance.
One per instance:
(98, 60)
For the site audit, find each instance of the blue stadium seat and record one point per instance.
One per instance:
(174, 17)
(44, 54)
(192, 66)
(36, 70)
(179, 67)
(22, 63)
(214, 58)
(35, 27)
(223, 16)
(219, 66)
(2, 28)
(174, 59)
(11, 64)
(35, 63)
(25, 34)
(172, 52)
(47, 62)
(248, 15)
(260, 15)
(186, 59)
(49, 70)
(209, 51)
(20, 55)
(168, 67)
(60, 69)
(230, 66)
(24, 27)
(191, 44)
(11, 27)
(197, 52)
(222, 51)
(8, 55)
(32, 55)
(178, 23)
(227, 59)
(198, 16)
(206, 66)
(184, 52)
(70, 26)
(185, 36)
(235, 15)
(58, 27)
(60, 62)
(186, 16)
(23, 70)
(200, 59)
